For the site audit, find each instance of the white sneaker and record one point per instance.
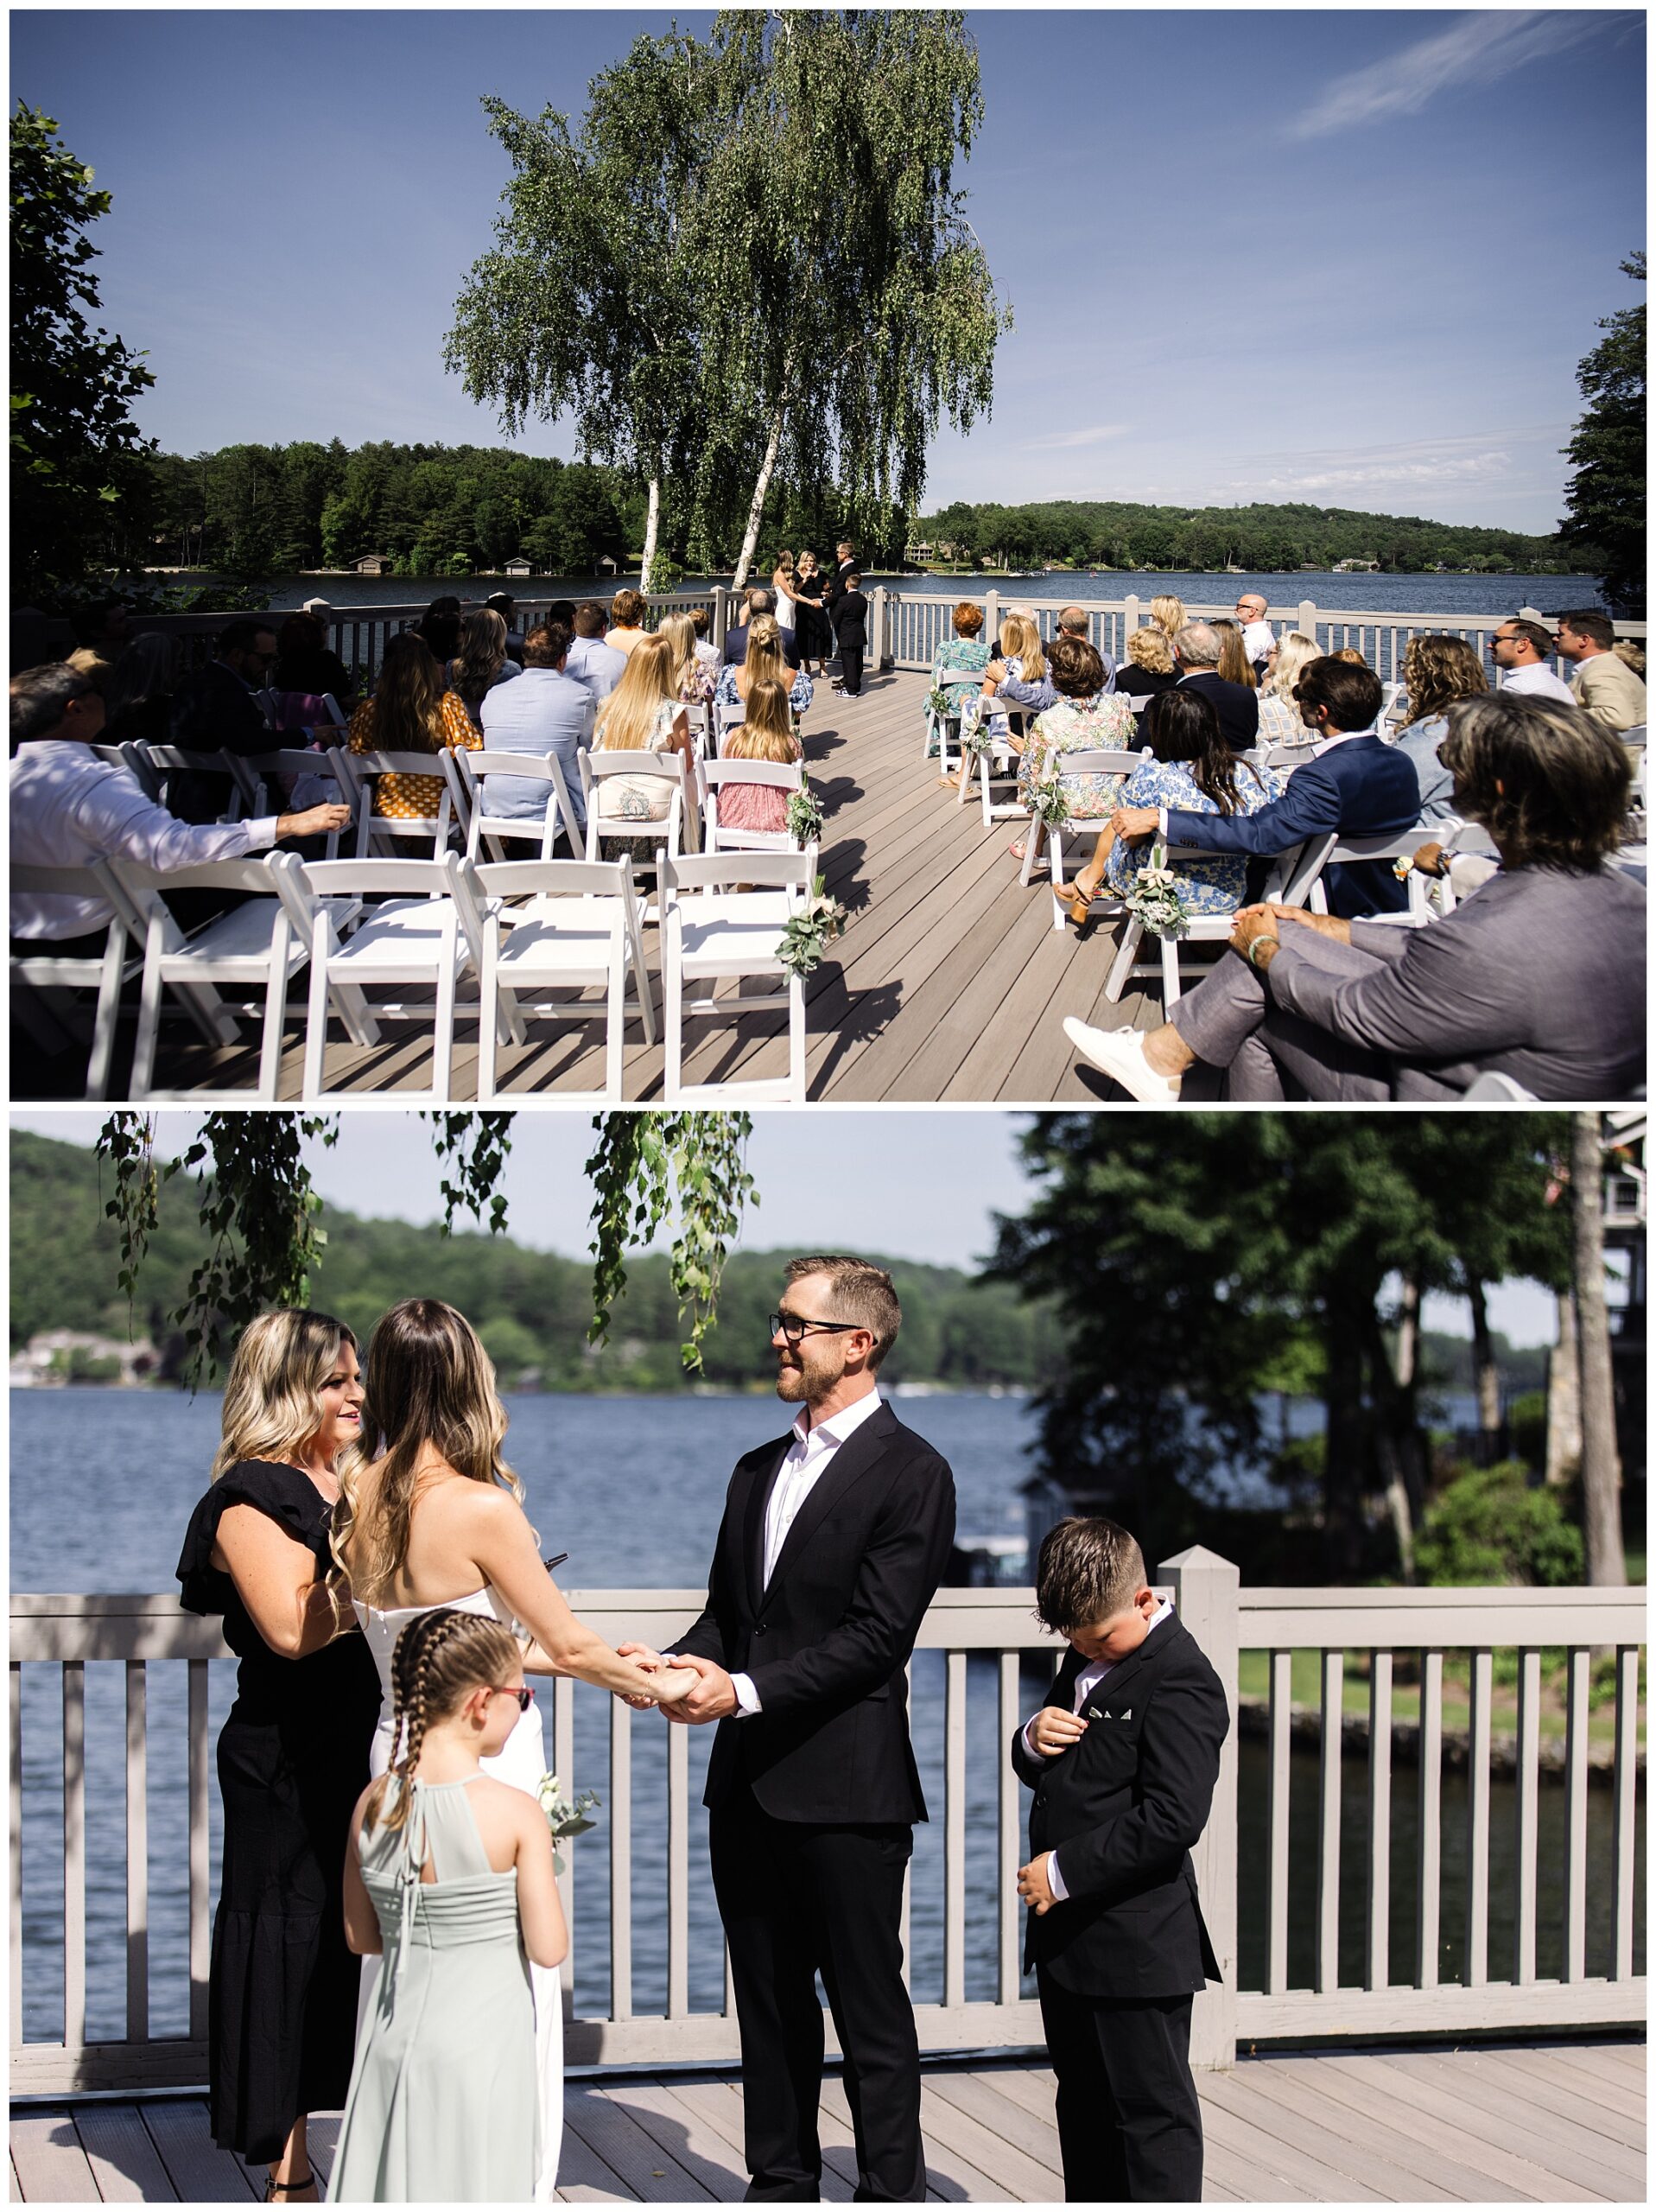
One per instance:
(1120, 1053)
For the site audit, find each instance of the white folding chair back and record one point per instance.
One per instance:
(728, 714)
(727, 775)
(386, 831)
(1099, 761)
(253, 945)
(472, 771)
(711, 931)
(1402, 844)
(664, 838)
(698, 713)
(1139, 700)
(104, 973)
(555, 925)
(163, 761)
(1202, 929)
(276, 780)
(425, 929)
(1490, 1085)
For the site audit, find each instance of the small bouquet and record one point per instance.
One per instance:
(1156, 899)
(1051, 803)
(810, 931)
(563, 1817)
(804, 817)
(940, 703)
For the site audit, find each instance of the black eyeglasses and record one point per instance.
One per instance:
(525, 1697)
(794, 1326)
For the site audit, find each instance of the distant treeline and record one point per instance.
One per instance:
(531, 1308)
(1110, 534)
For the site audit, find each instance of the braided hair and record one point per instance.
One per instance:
(439, 1659)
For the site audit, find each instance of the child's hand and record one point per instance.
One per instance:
(1033, 1886)
(1055, 1728)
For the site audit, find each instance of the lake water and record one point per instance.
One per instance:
(102, 1486)
(1382, 594)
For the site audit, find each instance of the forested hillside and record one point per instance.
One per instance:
(532, 1308)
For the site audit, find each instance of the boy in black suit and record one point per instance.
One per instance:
(1123, 1759)
(850, 621)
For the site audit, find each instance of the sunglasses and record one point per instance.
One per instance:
(525, 1696)
(794, 1326)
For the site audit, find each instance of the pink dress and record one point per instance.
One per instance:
(753, 806)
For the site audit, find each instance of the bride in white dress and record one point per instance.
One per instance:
(428, 1517)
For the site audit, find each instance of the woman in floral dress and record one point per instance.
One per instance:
(1196, 770)
(1081, 722)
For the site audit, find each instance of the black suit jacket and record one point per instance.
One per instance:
(1237, 706)
(1122, 1808)
(827, 1641)
(213, 712)
(736, 647)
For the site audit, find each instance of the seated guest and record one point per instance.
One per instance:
(627, 612)
(1539, 976)
(544, 711)
(92, 665)
(961, 659)
(1167, 613)
(560, 615)
(1021, 668)
(642, 715)
(767, 735)
(1356, 785)
(1280, 721)
(481, 662)
(1072, 724)
(410, 712)
(440, 627)
(69, 808)
(104, 626)
(306, 662)
(763, 659)
(503, 603)
(1258, 642)
(1603, 686)
(707, 652)
(760, 602)
(138, 698)
(694, 680)
(1196, 652)
(1148, 667)
(1195, 771)
(216, 709)
(1235, 665)
(1631, 654)
(1351, 657)
(1522, 652)
(591, 661)
(1436, 671)
(1075, 622)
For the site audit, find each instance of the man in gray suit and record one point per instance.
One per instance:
(1540, 977)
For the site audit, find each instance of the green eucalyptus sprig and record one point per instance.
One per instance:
(810, 931)
(804, 816)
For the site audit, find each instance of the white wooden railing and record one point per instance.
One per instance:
(72, 1632)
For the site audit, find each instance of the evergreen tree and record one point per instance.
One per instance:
(1604, 500)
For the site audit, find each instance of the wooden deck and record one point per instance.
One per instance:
(950, 981)
(1556, 2123)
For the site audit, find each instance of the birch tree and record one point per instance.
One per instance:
(588, 304)
(851, 298)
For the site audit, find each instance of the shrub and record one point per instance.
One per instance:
(1489, 1526)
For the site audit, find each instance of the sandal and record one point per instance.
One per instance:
(274, 2189)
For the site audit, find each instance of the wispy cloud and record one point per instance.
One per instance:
(1483, 47)
(1447, 469)
(1070, 438)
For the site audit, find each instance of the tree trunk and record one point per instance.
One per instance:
(652, 526)
(1486, 1378)
(756, 510)
(1563, 1396)
(1601, 1471)
(1344, 1461)
(1400, 1446)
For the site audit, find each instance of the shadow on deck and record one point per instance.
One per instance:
(1547, 2123)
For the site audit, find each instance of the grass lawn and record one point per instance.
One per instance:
(1253, 1681)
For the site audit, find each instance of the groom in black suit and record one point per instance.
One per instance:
(834, 1538)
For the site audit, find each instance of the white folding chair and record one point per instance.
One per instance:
(987, 767)
(728, 714)
(161, 762)
(426, 930)
(270, 783)
(105, 973)
(698, 714)
(725, 775)
(1403, 845)
(1490, 1085)
(472, 771)
(581, 923)
(1101, 762)
(664, 838)
(946, 728)
(253, 946)
(710, 932)
(1202, 929)
(385, 831)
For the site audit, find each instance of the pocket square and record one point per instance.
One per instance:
(1092, 1713)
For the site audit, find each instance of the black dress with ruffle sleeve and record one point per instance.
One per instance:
(293, 1758)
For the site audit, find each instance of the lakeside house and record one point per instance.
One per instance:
(518, 568)
(52, 1358)
(372, 564)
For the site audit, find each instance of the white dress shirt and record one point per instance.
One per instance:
(69, 808)
(807, 1457)
(1538, 679)
(1086, 1682)
(1258, 637)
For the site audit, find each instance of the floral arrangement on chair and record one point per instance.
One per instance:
(810, 931)
(1156, 900)
(564, 1817)
(804, 817)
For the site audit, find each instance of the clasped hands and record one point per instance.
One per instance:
(713, 1697)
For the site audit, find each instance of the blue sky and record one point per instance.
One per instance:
(915, 1185)
(1348, 257)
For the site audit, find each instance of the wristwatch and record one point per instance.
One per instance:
(1253, 944)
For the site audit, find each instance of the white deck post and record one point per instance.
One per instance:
(1307, 623)
(878, 657)
(1206, 1595)
(720, 615)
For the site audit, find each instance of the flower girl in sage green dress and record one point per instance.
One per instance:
(448, 1874)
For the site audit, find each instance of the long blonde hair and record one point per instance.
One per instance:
(679, 631)
(1234, 663)
(439, 1659)
(429, 1391)
(765, 660)
(1294, 650)
(1167, 613)
(626, 721)
(273, 1394)
(1027, 647)
(768, 732)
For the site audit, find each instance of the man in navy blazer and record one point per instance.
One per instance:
(1356, 785)
(1195, 650)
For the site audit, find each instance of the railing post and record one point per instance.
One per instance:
(1205, 1594)
(879, 654)
(992, 617)
(1307, 624)
(720, 615)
